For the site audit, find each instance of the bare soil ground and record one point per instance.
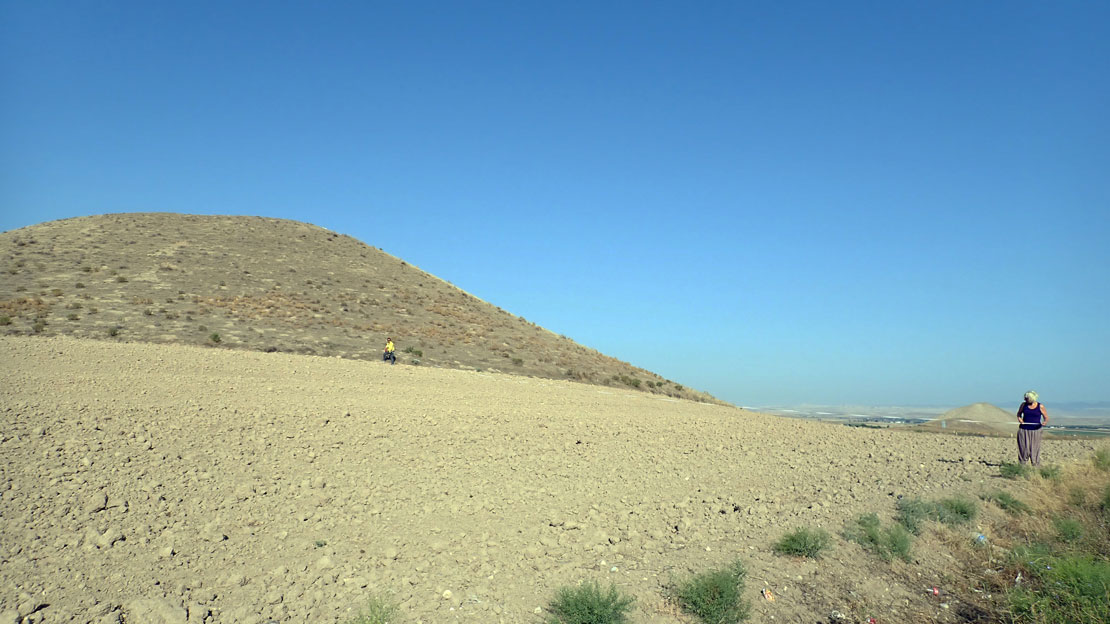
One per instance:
(161, 483)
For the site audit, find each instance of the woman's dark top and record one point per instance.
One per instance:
(1031, 416)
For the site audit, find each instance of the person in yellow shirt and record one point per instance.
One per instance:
(389, 354)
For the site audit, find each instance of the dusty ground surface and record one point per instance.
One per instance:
(157, 483)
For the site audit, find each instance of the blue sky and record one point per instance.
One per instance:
(775, 202)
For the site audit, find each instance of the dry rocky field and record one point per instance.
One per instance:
(146, 483)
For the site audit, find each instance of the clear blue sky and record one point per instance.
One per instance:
(776, 202)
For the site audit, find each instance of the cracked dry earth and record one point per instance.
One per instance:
(174, 484)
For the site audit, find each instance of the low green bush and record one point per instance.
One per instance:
(957, 511)
(1077, 496)
(377, 611)
(1068, 529)
(1077, 588)
(1007, 502)
(804, 542)
(914, 513)
(716, 597)
(886, 542)
(1101, 459)
(1050, 472)
(1013, 471)
(589, 604)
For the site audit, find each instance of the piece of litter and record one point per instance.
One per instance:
(768, 595)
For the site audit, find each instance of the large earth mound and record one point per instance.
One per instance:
(982, 418)
(272, 285)
(146, 483)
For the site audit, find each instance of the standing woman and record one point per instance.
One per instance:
(1031, 416)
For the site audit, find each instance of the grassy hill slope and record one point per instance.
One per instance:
(272, 285)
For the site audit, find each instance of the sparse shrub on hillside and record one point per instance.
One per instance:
(804, 542)
(716, 597)
(1050, 472)
(913, 513)
(113, 331)
(1068, 529)
(57, 292)
(886, 542)
(5, 320)
(72, 316)
(1101, 459)
(214, 337)
(589, 604)
(956, 511)
(1013, 471)
(377, 611)
(1077, 496)
(121, 279)
(518, 361)
(626, 380)
(1007, 502)
(39, 326)
(414, 351)
(1061, 587)
(79, 285)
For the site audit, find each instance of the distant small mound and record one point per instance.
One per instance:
(981, 418)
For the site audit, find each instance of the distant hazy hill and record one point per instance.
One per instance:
(272, 285)
(976, 418)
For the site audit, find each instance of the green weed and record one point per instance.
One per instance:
(377, 611)
(1077, 496)
(716, 597)
(1050, 472)
(1065, 588)
(888, 543)
(1013, 471)
(1008, 503)
(1068, 529)
(1101, 459)
(589, 604)
(804, 542)
(214, 337)
(913, 513)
